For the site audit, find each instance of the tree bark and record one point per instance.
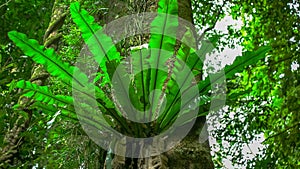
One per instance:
(190, 153)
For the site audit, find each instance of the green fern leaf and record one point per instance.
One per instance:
(194, 62)
(247, 58)
(51, 110)
(101, 45)
(164, 27)
(139, 84)
(43, 94)
(57, 68)
(162, 44)
(53, 64)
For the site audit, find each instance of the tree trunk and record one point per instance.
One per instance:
(189, 153)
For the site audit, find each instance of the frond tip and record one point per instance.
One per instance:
(47, 57)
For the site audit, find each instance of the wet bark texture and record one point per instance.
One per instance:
(190, 153)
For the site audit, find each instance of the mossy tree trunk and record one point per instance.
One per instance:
(13, 137)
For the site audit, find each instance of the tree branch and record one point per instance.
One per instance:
(213, 25)
(281, 132)
(6, 3)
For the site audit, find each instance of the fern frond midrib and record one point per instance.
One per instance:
(158, 59)
(45, 56)
(94, 35)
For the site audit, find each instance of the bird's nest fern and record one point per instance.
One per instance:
(138, 97)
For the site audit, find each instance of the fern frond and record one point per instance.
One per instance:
(47, 57)
(43, 94)
(51, 110)
(164, 27)
(57, 68)
(186, 61)
(139, 84)
(247, 58)
(102, 48)
(101, 45)
(162, 46)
